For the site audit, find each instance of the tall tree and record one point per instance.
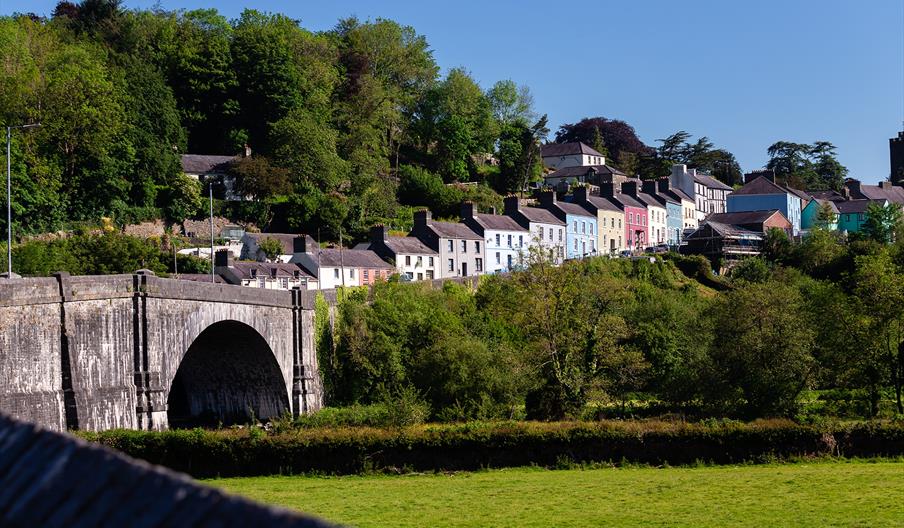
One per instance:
(512, 104)
(620, 138)
(519, 155)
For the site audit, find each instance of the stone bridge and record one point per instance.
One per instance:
(143, 352)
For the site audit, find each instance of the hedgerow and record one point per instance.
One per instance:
(478, 445)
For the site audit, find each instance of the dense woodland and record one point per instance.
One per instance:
(810, 331)
(348, 127)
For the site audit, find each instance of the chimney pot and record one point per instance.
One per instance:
(222, 258)
(511, 205)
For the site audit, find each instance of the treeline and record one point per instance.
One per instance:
(591, 338)
(331, 117)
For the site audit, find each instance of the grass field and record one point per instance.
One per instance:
(801, 494)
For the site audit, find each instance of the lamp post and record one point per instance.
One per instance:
(9, 198)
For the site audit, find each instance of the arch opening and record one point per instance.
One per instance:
(228, 374)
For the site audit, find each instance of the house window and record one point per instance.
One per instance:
(366, 275)
(509, 262)
(284, 283)
(479, 263)
(262, 282)
(451, 265)
(560, 234)
(575, 245)
(464, 246)
(407, 260)
(574, 226)
(583, 227)
(430, 261)
(429, 274)
(498, 258)
(498, 239)
(419, 262)
(520, 240)
(336, 273)
(351, 273)
(510, 241)
(541, 232)
(477, 247)
(420, 276)
(630, 218)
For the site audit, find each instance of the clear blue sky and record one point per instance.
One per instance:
(746, 74)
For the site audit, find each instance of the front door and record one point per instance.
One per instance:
(464, 269)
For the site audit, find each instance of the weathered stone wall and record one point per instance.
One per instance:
(30, 361)
(102, 352)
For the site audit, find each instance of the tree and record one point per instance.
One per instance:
(619, 137)
(511, 104)
(825, 216)
(879, 294)
(776, 246)
(256, 177)
(752, 269)
(762, 349)
(811, 167)
(271, 247)
(701, 155)
(519, 156)
(882, 221)
(456, 116)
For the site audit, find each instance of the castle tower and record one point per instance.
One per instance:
(896, 157)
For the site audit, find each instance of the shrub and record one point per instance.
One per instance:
(477, 445)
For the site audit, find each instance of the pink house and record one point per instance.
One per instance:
(636, 221)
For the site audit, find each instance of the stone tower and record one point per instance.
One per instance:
(896, 157)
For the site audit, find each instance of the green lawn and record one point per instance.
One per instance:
(802, 494)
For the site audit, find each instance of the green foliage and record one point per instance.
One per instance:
(753, 269)
(882, 222)
(480, 445)
(810, 167)
(271, 247)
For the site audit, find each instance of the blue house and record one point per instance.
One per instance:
(674, 219)
(580, 225)
(763, 194)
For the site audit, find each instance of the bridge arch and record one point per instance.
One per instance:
(228, 372)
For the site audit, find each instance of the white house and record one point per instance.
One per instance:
(265, 275)
(710, 195)
(545, 229)
(251, 246)
(560, 155)
(339, 267)
(507, 242)
(412, 258)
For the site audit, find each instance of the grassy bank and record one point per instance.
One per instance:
(479, 445)
(802, 494)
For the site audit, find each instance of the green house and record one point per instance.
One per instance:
(852, 213)
(809, 217)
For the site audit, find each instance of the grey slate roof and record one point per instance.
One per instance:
(349, 258)
(598, 202)
(834, 196)
(410, 245)
(726, 230)
(540, 216)
(498, 222)
(894, 194)
(450, 230)
(743, 217)
(202, 163)
(54, 479)
(573, 209)
(244, 269)
(569, 172)
(832, 205)
(649, 201)
(566, 149)
(621, 200)
(855, 206)
(709, 181)
(286, 240)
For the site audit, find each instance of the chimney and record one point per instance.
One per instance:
(607, 189)
(629, 188)
(246, 152)
(511, 205)
(222, 259)
(303, 244)
(467, 210)
(493, 210)
(679, 169)
(648, 186)
(580, 194)
(886, 185)
(547, 198)
(379, 233)
(852, 187)
(665, 185)
(273, 270)
(422, 219)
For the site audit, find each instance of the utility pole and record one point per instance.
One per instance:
(9, 198)
(212, 281)
(341, 263)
